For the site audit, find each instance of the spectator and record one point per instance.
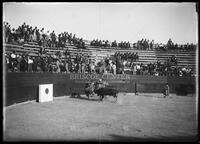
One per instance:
(92, 67)
(53, 38)
(166, 90)
(23, 64)
(138, 69)
(114, 68)
(7, 33)
(151, 45)
(170, 44)
(66, 66)
(173, 60)
(34, 66)
(30, 64)
(57, 66)
(83, 65)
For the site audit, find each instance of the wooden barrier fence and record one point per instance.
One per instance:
(20, 87)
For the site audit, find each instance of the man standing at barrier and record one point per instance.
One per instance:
(136, 92)
(166, 90)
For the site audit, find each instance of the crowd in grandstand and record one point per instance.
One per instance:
(145, 44)
(106, 43)
(60, 62)
(26, 33)
(99, 43)
(163, 69)
(168, 67)
(131, 56)
(82, 64)
(64, 63)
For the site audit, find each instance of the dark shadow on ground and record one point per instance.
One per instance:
(120, 138)
(85, 98)
(151, 95)
(157, 139)
(94, 98)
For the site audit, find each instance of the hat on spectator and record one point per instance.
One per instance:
(13, 55)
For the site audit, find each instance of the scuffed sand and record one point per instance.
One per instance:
(131, 118)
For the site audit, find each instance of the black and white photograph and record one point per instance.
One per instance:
(100, 71)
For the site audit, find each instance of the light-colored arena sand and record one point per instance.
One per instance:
(144, 117)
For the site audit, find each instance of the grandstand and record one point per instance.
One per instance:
(185, 58)
(146, 56)
(34, 42)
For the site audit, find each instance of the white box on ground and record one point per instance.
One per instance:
(45, 92)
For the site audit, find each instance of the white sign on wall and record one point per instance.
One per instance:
(45, 92)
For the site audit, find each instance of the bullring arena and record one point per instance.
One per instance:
(61, 87)
(145, 117)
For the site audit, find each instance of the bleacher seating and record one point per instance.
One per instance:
(145, 56)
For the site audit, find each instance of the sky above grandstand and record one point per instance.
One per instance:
(110, 21)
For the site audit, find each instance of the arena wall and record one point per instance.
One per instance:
(21, 87)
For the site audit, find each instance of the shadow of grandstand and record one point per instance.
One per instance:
(156, 95)
(94, 98)
(121, 138)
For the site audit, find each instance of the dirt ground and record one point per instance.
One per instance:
(145, 117)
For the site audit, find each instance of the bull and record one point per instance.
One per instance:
(102, 91)
(95, 88)
(106, 91)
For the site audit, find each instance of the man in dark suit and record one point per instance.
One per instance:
(166, 90)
